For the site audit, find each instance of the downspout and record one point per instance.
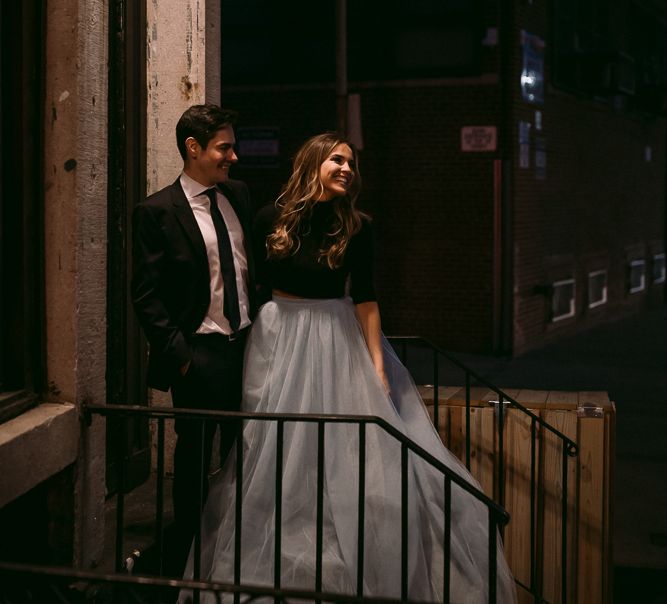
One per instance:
(503, 210)
(341, 66)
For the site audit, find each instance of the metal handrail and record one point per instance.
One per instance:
(569, 448)
(174, 412)
(497, 516)
(12, 574)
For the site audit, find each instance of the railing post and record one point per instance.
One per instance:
(196, 574)
(436, 392)
(563, 546)
(404, 521)
(468, 420)
(279, 504)
(501, 450)
(120, 496)
(238, 511)
(159, 495)
(493, 561)
(361, 509)
(320, 506)
(446, 588)
(533, 480)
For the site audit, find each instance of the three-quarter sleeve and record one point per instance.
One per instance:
(262, 228)
(362, 288)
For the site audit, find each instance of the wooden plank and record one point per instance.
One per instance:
(591, 441)
(482, 447)
(477, 396)
(445, 393)
(550, 507)
(518, 547)
(511, 392)
(443, 422)
(532, 399)
(559, 399)
(608, 499)
(592, 397)
(456, 434)
(589, 476)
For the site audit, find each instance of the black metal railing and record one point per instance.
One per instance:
(568, 448)
(152, 588)
(31, 584)
(497, 516)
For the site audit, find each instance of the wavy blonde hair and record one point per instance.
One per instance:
(299, 195)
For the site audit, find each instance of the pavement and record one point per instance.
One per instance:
(628, 359)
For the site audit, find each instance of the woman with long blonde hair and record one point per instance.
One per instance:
(317, 348)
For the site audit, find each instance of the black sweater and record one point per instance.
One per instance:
(301, 273)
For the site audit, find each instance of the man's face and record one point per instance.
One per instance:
(211, 165)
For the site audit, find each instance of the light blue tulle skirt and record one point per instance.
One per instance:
(310, 356)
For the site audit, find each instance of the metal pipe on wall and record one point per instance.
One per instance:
(341, 66)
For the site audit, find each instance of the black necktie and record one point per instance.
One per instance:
(231, 296)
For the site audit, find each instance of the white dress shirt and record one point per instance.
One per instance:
(215, 320)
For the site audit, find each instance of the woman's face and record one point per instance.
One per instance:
(337, 172)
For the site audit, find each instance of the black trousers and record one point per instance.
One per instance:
(213, 381)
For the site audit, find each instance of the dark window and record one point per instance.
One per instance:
(21, 347)
(648, 45)
(608, 49)
(266, 42)
(419, 39)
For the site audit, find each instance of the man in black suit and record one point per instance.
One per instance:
(193, 290)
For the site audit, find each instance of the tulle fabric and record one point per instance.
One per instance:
(309, 356)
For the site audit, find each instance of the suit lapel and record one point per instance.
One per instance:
(186, 218)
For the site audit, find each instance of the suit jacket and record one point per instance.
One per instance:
(170, 279)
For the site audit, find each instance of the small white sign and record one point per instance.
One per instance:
(478, 138)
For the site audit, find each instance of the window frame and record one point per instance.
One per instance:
(573, 300)
(663, 276)
(605, 289)
(631, 265)
(22, 343)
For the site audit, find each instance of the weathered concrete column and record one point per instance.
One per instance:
(75, 165)
(213, 51)
(176, 73)
(182, 58)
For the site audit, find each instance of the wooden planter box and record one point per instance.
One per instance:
(588, 418)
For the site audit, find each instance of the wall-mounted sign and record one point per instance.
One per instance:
(258, 146)
(479, 138)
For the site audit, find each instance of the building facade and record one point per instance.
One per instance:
(91, 92)
(513, 153)
(513, 158)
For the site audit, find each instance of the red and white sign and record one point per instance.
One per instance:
(478, 138)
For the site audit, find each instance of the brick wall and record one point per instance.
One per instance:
(599, 204)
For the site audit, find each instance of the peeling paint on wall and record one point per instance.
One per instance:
(175, 80)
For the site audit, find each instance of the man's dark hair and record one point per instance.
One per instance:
(202, 122)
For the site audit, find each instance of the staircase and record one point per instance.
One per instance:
(477, 421)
